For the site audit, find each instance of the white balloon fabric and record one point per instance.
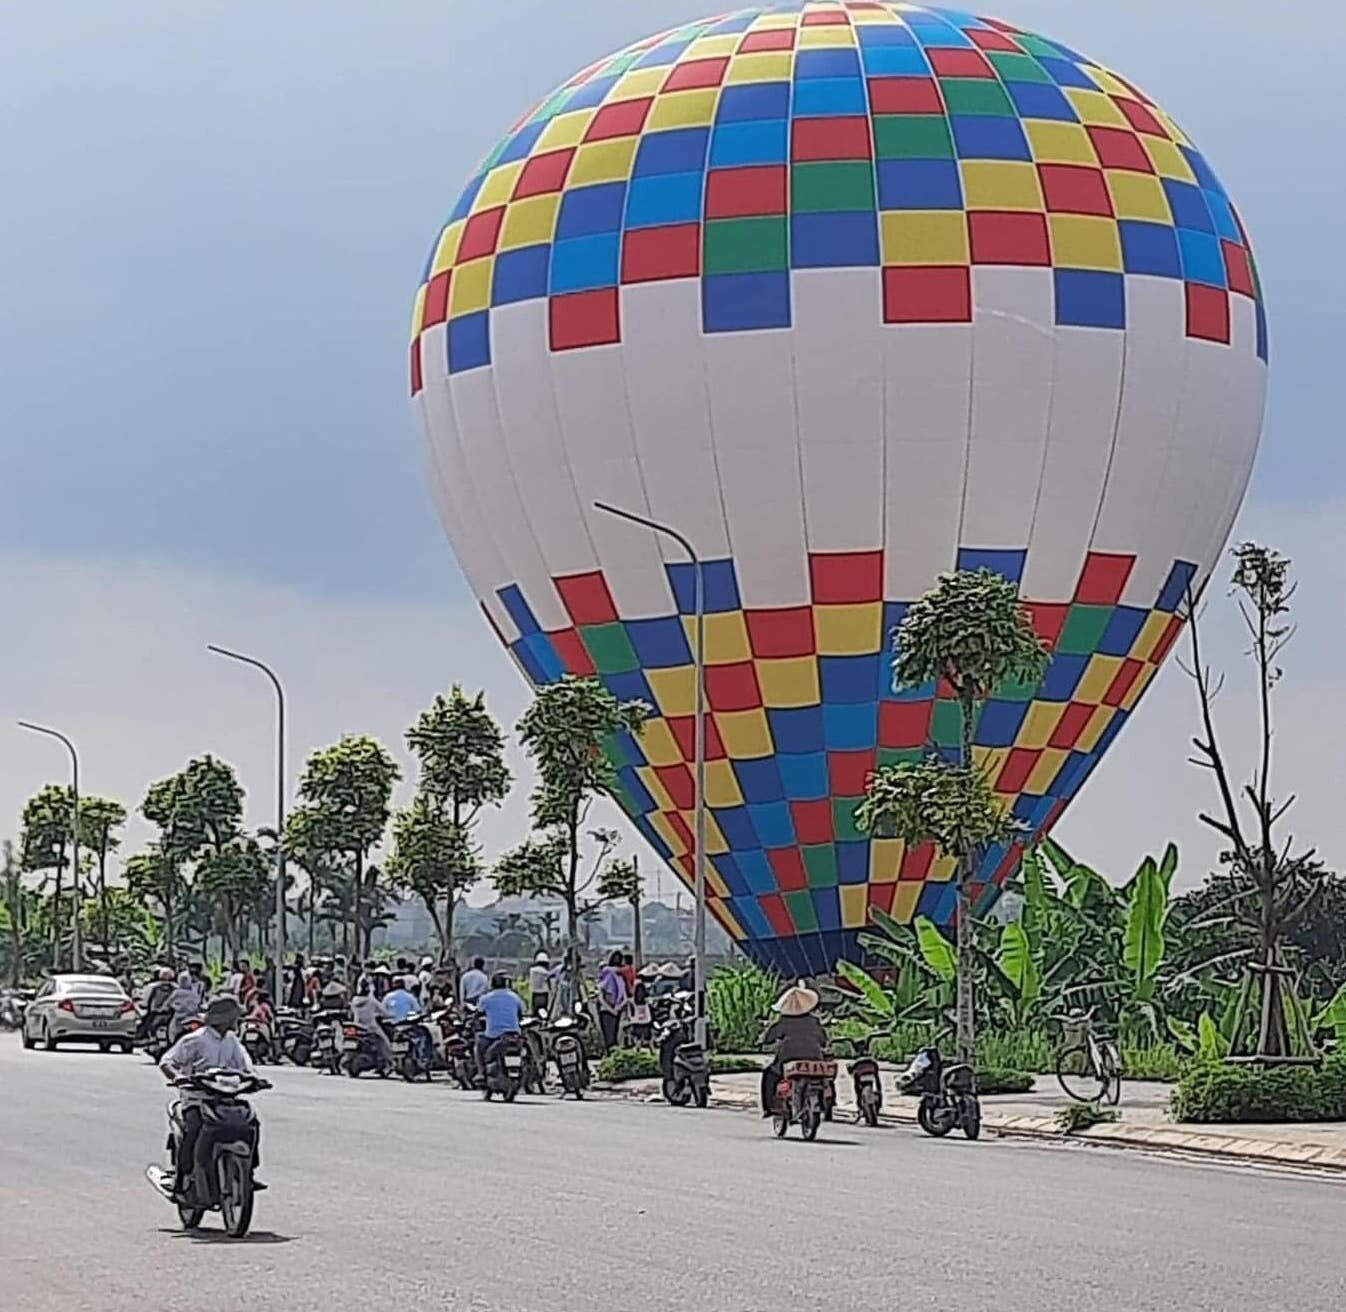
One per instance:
(850, 294)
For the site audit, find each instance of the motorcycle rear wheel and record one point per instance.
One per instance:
(235, 1180)
(934, 1127)
(809, 1122)
(971, 1118)
(701, 1095)
(869, 1110)
(780, 1123)
(511, 1092)
(190, 1216)
(676, 1091)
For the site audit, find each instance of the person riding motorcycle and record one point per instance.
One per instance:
(502, 1010)
(156, 999)
(213, 1047)
(798, 1035)
(184, 1002)
(369, 1013)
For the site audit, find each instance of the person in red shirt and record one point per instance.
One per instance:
(629, 972)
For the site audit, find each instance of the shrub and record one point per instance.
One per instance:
(1215, 1092)
(1078, 1116)
(643, 1064)
(999, 1079)
(1155, 1061)
(739, 998)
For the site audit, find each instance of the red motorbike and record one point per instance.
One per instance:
(805, 1095)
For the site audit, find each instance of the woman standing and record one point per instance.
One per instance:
(612, 997)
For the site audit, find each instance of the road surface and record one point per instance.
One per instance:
(427, 1198)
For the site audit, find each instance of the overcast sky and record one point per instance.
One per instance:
(215, 218)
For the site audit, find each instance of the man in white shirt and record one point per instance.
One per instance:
(474, 983)
(211, 1048)
(369, 1013)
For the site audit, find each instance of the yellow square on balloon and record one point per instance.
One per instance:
(1150, 633)
(470, 287)
(565, 130)
(1048, 767)
(1138, 686)
(655, 787)
(789, 681)
(885, 860)
(1093, 731)
(745, 734)
(849, 630)
(722, 785)
(637, 82)
(683, 109)
(1085, 241)
(418, 312)
(760, 66)
(603, 161)
(1060, 143)
(1096, 107)
(942, 869)
(828, 35)
(923, 237)
(726, 637)
(720, 910)
(1039, 724)
(1168, 160)
(529, 222)
(1098, 677)
(906, 898)
(674, 689)
(446, 252)
(498, 187)
(659, 744)
(664, 828)
(1001, 185)
(1138, 196)
(711, 46)
(854, 905)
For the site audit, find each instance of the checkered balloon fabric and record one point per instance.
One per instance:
(851, 293)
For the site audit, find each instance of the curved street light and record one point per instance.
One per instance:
(76, 936)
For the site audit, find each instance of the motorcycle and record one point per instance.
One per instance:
(156, 1042)
(256, 1039)
(948, 1094)
(221, 1178)
(459, 1055)
(534, 1055)
(295, 1037)
(567, 1051)
(805, 1094)
(682, 1061)
(864, 1073)
(13, 1003)
(362, 1051)
(504, 1068)
(325, 1053)
(413, 1049)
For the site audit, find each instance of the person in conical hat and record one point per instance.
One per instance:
(797, 1033)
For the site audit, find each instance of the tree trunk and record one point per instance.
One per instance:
(108, 947)
(56, 910)
(965, 1008)
(358, 900)
(168, 917)
(450, 912)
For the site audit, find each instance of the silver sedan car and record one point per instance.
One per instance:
(80, 1009)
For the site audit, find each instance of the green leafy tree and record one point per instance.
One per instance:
(154, 878)
(44, 844)
(231, 880)
(99, 820)
(16, 919)
(462, 769)
(346, 791)
(125, 920)
(971, 632)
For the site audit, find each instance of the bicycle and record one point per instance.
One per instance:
(1091, 1069)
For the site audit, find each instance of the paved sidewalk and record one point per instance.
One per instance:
(1145, 1122)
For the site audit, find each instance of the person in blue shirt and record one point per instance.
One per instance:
(502, 1010)
(400, 1003)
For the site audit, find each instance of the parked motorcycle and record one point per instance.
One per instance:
(805, 1095)
(156, 1041)
(413, 1049)
(864, 1073)
(222, 1177)
(504, 1067)
(948, 1094)
(534, 1055)
(325, 1054)
(13, 1003)
(567, 1051)
(294, 1037)
(256, 1039)
(460, 1056)
(361, 1050)
(682, 1061)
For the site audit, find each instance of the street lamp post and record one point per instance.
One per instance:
(279, 984)
(76, 934)
(699, 748)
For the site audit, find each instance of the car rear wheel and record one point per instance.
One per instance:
(48, 1040)
(28, 1040)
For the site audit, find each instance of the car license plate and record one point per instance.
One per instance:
(513, 1064)
(102, 1024)
(399, 1048)
(350, 1045)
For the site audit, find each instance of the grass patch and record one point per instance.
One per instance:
(997, 1079)
(1078, 1116)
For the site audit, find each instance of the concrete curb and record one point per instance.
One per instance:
(1114, 1134)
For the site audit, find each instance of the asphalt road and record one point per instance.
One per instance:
(428, 1198)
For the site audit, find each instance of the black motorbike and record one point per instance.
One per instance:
(948, 1094)
(294, 1036)
(259, 1041)
(413, 1049)
(13, 1003)
(504, 1067)
(459, 1054)
(683, 1065)
(805, 1096)
(362, 1050)
(567, 1051)
(156, 1041)
(325, 1051)
(534, 1055)
(226, 1151)
(864, 1073)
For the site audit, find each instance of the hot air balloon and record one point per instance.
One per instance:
(851, 294)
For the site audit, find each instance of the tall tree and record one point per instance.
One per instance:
(45, 840)
(154, 877)
(972, 633)
(15, 913)
(461, 750)
(1273, 888)
(233, 879)
(347, 790)
(99, 820)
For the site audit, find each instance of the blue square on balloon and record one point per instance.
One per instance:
(1174, 591)
(1008, 563)
(1066, 73)
(849, 678)
(748, 912)
(587, 210)
(1090, 298)
(734, 23)
(468, 342)
(1262, 343)
(659, 643)
(628, 685)
(520, 275)
(851, 727)
(761, 141)
(937, 902)
(895, 60)
(1150, 248)
(727, 868)
(1063, 676)
(774, 824)
(826, 908)
(1114, 727)
(999, 722)
(665, 53)
(1202, 258)
(521, 144)
(465, 198)
(1041, 100)
(664, 198)
(1123, 629)
(1203, 172)
(834, 241)
(583, 263)
(752, 100)
(1188, 204)
(829, 97)
(518, 609)
(1024, 806)
(680, 150)
(636, 790)
(736, 825)
(796, 728)
(1072, 773)
(757, 869)
(836, 61)
(525, 657)
(804, 775)
(919, 184)
(1222, 215)
(935, 33)
(986, 136)
(742, 302)
(759, 781)
(717, 578)
(591, 94)
(873, 36)
(852, 862)
(546, 656)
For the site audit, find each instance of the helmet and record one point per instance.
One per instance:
(223, 1011)
(166, 973)
(542, 959)
(381, 970)
(427, 963)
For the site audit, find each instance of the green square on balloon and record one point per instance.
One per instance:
(759, 245)
(609, 648)
(800, 906)
(820, 861)
(843, 820)
(976, 95)
(946, 724)
(1017, 68)
(912, 136)
(832, 186)
(900, 756)
(1083, 629)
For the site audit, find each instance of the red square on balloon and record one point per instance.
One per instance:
(653, 254)
(584, 319)
(733, 687)
(1009, 237)
(1119, 148)
(1014, 774)
(1238, 267)
(572, 651)
(916, 861)
(813, 821)
(777, 633)
(480, 234)
(789, 868)
(1141, 117)
(543, 174)
(417, 380)
(696, 73)
(841, 578)
(927, 294)
(780, 38)
(905, 724)
(1208, 313)
(848, 772)
(586, 598)
(623, 118)
(1103, 577)
(1075, 189)
(436, 300)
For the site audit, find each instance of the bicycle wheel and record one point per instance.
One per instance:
(1078, 1077)
(1112, 1074)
